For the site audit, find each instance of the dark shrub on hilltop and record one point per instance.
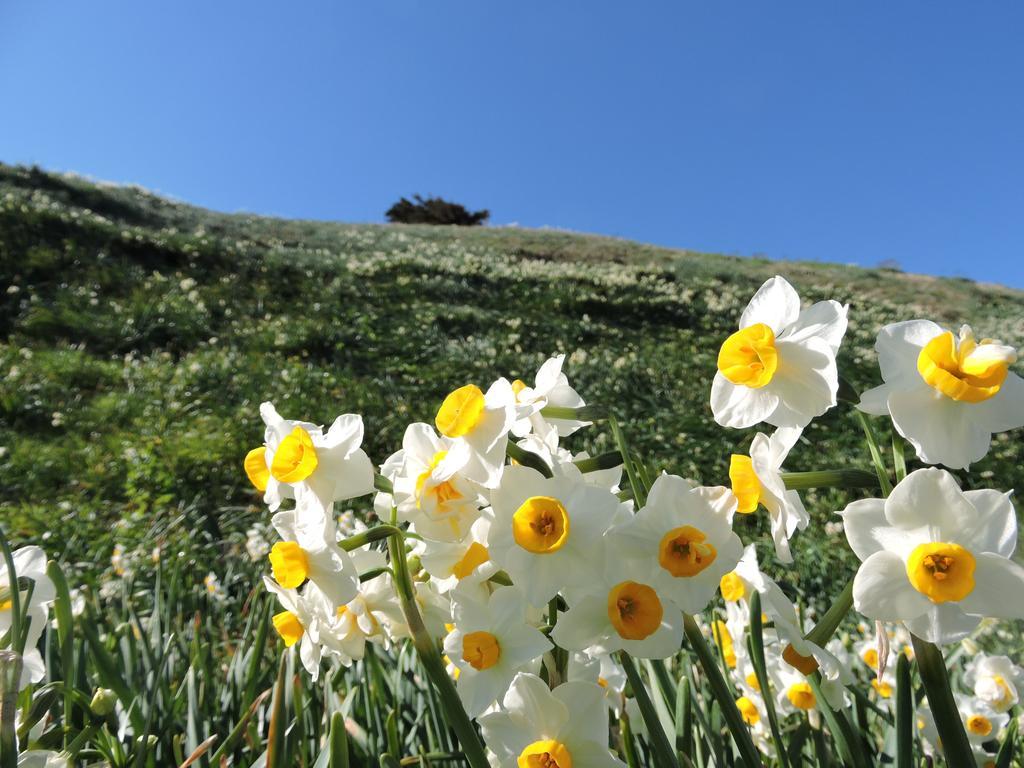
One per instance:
(434, 210)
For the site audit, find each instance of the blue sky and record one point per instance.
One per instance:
(849, 132)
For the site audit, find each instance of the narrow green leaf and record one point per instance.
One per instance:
(756, 641)
(276, 757)
(664, 753)
(720, 690)
(904, 714)
(338, 742)
(932, 668)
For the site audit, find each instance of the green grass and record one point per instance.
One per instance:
(140, 335)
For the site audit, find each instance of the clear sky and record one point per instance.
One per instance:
(851, 132)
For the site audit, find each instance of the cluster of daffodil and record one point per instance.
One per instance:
(526, 574)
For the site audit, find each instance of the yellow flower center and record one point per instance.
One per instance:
(541, 525)
(288, 627)
(979, 725)
(256, 467)
(870, 657)
(546, 753)
(733, 587)
(475, 556)
(971, 373)
(748, 357)
(6, 605)
(443, 492)
(481, 650)
(634, 610)
(942, 571)
(685, 551)
(289, 563)
(602, 682)
(723, 637)
(805, 664)
(460, 412)
(745, 485)
(295, 458)
(518, 386)
(801, 696)
(753, 682)
(883, 689)
(748, 710)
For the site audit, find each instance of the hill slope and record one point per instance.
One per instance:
(140, 335)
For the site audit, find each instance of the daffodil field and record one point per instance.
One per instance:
(716, 526)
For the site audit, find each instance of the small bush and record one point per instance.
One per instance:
(434, 210)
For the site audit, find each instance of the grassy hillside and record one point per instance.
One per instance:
(139, 336)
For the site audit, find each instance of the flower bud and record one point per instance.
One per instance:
(103, 701)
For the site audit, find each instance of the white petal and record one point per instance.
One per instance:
(530, 698)
(899, 345)
(776, 304)
(736, 406)
(881, 590)
(586, 625)
(943, 623)
(876, 401)
(548, 375)
(806, 382)
(588, 712)
(825, 319)
(931, 497)
(995, 527)
(479, 690)
(941, 430)
(868, 530)
(998, 588)
(345, 434)
(1005, 410)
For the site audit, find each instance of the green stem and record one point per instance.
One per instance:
(635, 483)
(10, 679)
(664, 754)
(720, 689)
(586, 413)
(430, 658)
(756, 640)
(382, 484)
(366, 537)
(833, 478)
(932, 667)
(14, 594)
(876, 454)
(608, 460)
(527, 459)
(829, 623)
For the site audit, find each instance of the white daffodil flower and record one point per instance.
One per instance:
(546, 531)
(551, 387)
(757, 480)
(620, 611)
(300, 459)
(482, 422)
(461, 563)
(996, 681)
(310, 552)
(980, 720)
(541, 728)
(793, 693)
(29, 563)
(373, 615)
(490, 644)
(431, 488)
(301, 621)
(946, 394)
(681, 541)
(935, 557)
(780, 367)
